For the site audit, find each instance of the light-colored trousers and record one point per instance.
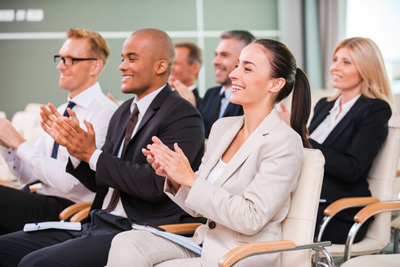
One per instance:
(141, 248)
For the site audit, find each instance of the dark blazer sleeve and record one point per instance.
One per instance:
(84, 174)
(177, 121)
(350, 155)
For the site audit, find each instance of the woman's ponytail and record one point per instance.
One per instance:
(301, 106)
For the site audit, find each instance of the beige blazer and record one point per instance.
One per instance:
(250, 198)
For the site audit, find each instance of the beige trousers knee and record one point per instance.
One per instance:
(141, 248)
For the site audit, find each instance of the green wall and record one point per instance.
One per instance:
(28, 73)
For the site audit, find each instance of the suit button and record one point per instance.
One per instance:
(212, 225)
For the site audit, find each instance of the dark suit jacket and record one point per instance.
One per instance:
(172, 119)
(351, 147)
(208, 105)
(197, 96)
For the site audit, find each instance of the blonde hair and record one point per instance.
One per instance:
(98, 44)
(369, 62)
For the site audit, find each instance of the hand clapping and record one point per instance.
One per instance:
(172, 164)
(67, 132)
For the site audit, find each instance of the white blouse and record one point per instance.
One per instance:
(216, 171)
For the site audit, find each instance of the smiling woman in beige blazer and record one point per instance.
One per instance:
(244, 184)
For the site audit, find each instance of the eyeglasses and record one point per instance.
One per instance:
(69, 61)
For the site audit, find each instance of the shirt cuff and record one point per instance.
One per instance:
(75, 162)
(94, 158)
(25, 151)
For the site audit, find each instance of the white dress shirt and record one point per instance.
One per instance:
(143, 104)
(192, 87)
(34, 162)
(335, 116)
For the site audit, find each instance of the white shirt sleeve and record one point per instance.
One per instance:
(48, 170)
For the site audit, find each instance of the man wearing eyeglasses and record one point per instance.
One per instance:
(79, 62)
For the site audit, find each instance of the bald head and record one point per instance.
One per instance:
(147, 58)
(160, 44)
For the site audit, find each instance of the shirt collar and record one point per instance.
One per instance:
(346, 106)
(192, 87)
(144, 103)
(87, 96)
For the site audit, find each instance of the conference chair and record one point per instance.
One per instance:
(381, 179)
(27, 125)
(298, 227)
(387, 260)
(33, 108)
(395, 122)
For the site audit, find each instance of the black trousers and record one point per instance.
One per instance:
(88, 247)
(338, 228)
(18, 207)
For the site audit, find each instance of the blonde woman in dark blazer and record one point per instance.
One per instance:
(247, 175)
(350, 128)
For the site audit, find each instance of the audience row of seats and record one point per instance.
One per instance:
(27, 123)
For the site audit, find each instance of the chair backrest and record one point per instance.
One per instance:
(381, 182)
(299, 225)
(32, 108)
(28, 125)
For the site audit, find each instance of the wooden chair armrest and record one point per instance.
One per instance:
(180, 228)
(80, 215)
(246, 250)
(71, 210)
(375, 208)
(346, 203)
(342, 204)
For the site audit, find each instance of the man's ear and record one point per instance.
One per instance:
(277, 85)
(161, 67)
(97, 67)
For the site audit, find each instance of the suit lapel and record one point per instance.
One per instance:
(224, 142)
(227, 110)
(123, 122)
(344, 123)
(320, 115)
(262, 131)
(151, 111)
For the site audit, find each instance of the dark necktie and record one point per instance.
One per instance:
(217, 109)
(132, 121)
(56, 145)
(55, 148)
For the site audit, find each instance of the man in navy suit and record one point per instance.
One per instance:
(216, 102)
(127, 188)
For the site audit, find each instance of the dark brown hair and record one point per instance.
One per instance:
(283, 65)
(194, 51)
